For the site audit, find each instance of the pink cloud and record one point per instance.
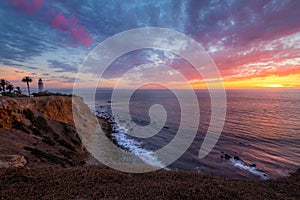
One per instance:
(81, 35)
(58, 21)
(71, 26)
(261, 58)
(28, 6)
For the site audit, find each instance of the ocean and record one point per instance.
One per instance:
(260, 137)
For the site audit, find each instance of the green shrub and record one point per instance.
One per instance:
(28, 114)
(41, 124)
(8, 94)
(35, 131)
(50, 157)
(65, 144)
(20, 126)
(68, 154)
(81, 163)
(48, 141)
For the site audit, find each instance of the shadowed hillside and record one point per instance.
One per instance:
(42, 130)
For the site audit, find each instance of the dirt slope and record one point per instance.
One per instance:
(42, 130)
(95, 182)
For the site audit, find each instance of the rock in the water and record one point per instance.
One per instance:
(236, 158)
(252, 165)
(227, 156)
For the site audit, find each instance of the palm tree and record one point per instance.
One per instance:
(28, 80)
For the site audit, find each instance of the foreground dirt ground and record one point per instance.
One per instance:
(98, 182)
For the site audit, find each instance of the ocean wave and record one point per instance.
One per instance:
(250, 168)
(238, 163)
(125, 142)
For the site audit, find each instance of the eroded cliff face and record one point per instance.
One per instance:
(42, 130)
(57, 108)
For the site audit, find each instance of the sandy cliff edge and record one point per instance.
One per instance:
(41, 129)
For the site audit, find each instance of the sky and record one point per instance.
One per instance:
(254, 44)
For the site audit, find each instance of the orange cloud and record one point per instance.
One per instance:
(271, 81)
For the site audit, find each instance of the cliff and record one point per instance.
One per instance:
(40, 131)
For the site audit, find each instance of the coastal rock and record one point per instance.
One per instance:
(252, 165)
(236, 158)
(237, 162)
(227, 156)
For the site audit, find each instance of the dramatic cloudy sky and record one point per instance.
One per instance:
(253, 43)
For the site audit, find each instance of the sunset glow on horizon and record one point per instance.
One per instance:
(254, 44)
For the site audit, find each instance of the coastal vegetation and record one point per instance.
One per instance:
(8, 89)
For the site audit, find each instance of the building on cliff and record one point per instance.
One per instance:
(41, 85)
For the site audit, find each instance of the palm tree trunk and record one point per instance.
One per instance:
(28, 89)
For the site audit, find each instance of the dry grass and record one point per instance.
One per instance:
(96, 182)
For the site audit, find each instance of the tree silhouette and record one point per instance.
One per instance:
(28, 80)
(2, 84)
(10, 87)
(18, 90)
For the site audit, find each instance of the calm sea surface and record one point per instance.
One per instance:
(262, 130)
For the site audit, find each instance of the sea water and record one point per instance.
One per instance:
(260, 138)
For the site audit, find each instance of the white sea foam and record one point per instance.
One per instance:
(252, 169)
(127, 143)
(134, 147)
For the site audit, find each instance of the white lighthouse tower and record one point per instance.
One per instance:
(41, 85)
